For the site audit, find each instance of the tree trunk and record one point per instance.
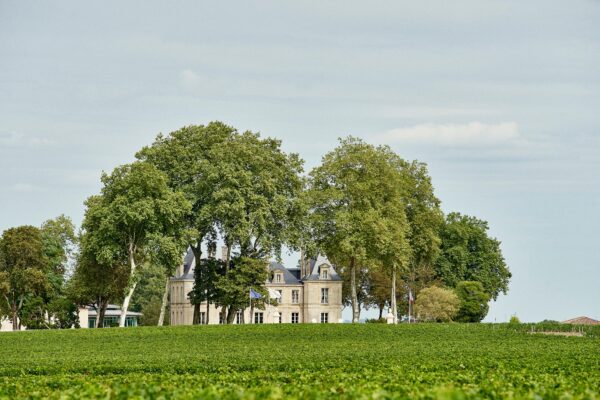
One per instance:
(163, 306)
(197, 250)
(393, 299)
(207, 311)
(196, 319)
(355, 309)
(102, 306)
(231, 312)
(15, 319)
(380, 311)
(251, 313)
(127, 299)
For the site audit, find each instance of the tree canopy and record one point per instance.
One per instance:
(469, 254)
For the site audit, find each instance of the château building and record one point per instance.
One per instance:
(309, 293)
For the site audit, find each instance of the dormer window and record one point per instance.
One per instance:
(278, 278)
(324, 273)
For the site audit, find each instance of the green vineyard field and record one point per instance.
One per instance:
(453, 361)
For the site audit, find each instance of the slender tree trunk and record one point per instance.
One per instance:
(355, 307)
(15, 319)
(224, 309)
(380, 311)
(102, 306)
(393, 299)
(207, 310)
(163, 306)
(251, 312)
(127, 299)
(196, 319)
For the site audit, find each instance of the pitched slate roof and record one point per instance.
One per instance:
(314, 270)
(288, 277)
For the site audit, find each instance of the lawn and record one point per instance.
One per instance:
(300, 361)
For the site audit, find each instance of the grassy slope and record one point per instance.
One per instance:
(301, 361)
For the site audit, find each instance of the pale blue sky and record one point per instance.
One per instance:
(500, 98)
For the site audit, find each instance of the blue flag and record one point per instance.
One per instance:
(254, 295)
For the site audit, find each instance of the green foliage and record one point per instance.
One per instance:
(436, 304)
(473, 302)
(514, 320)
(376, 321)
(233, 287)
(358, 210)
(469, 254)
(65, 313)
(24, 269)
(136, 220)
(147, 298)
(242, 187)
(305, 361)
(206, 275)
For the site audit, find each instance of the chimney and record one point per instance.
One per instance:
(303, 272)
(224, 253)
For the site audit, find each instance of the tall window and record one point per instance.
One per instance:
(278, 278)
(280, 296)
(324, 317)
(324, 274)
(280, 318)
(202, 318)
(221, 318)
(295, 296)
(325, 296)
(239, 318)
(258, 318)
(294, 318)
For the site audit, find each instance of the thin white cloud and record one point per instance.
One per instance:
(13, 138)
(468, 134)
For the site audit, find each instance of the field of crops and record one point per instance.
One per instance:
(452, 361)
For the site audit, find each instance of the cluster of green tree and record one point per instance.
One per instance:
(34, 266)
(372, 213)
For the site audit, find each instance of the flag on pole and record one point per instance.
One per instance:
(274, 294)
(254, 295)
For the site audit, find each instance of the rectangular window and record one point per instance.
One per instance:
(324, 317)
(239, 318)
(295, 296)
(324, 274)
(280, 318)
(258, 318)
(280, 299)
(221, 318)
(325, 296)
(91, 322)
(294, 318)
(278, 278)
(202, 318)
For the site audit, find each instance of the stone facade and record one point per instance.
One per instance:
(309, 293)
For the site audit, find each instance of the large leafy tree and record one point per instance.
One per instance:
(469, 254)
(358, 211)
(473, 301)
(244, 188)
(136, 218)
(94, 283)
(24, 270)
